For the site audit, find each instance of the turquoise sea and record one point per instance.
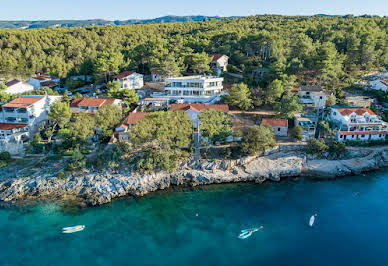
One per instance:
(163, 228)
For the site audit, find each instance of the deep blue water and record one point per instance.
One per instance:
(163, 229)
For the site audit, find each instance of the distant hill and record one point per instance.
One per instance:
(97, 22)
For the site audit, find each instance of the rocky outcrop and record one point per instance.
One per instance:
(101, 187)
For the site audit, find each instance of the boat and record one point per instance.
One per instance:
(73, 229)
(312, 220)
(245, 233)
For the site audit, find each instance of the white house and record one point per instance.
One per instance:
(193, 110)
(219, 63)
(312, 96)
(91, 105)
(280, 126)
(12, 137)
(308, 125)
(192, 89)
(355, 123)
(37, 80)
(29, 109)
(380, 85)
(129, 80)
(17, 87)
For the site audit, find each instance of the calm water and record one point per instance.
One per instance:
(163, 229)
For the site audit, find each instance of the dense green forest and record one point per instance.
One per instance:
(327, 50)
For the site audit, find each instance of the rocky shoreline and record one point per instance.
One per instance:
(100, 187)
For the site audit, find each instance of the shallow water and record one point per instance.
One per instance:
(163, 229)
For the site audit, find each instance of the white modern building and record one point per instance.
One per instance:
(354, 123)
(129, 80)
(37, 80)
(16, 86)
(192, 89)
(312, 96)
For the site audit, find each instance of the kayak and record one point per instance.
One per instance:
(312, 220)
(245, 233)
(73, 229)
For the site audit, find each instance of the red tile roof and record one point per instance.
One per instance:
(358, 111)
(42, 77)
(133, 118)
(10, 126)
(199, 107)
(215, 57)
(23, 101)
(91, 102)
(275, 122)
(123, 74)
(49, 83)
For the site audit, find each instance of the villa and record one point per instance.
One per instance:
(122, 131)
(22, 117)
(91, 105)
(39, 81)
(192, 89)
(219, 63)
(28, 109)
(355, 123)
(129, 80)
(16, 86)
(312, 96)
(193, 110)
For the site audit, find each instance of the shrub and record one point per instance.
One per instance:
(61, 175)
(297, 132)
(258, 139)
(5, 156)
(336, 149)
(316, 147)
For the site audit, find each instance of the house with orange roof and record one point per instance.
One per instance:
(122, 131)
(28, 109)
(193, 110)
(219, 63)
(356, 123)
(280, 126)
(40, 80)
(129, 80)
(22, 117)
(92, 105)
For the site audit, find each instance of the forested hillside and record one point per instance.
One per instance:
(95, 22)
(328, 50)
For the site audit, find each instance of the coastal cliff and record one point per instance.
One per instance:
(99, 187)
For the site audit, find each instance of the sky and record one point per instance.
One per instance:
(144, 9)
